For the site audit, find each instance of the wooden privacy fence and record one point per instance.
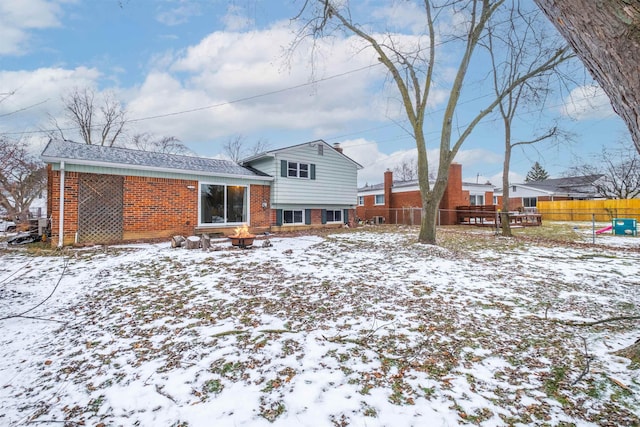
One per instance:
(584, 210)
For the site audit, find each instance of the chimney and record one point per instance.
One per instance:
(336, 146)
(388, 183)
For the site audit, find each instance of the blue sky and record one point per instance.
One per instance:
(227, 61)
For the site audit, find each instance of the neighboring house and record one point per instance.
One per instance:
(400, 202)
(104, 194)
(527, 195)
(38, 208)
(314, 184)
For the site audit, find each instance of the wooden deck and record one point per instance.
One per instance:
(489, 216)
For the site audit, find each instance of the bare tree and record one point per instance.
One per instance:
(514, 50)
(237, 148)
(97, 122)
(412, 70)
(619, 169)
(407, 170)
(22, 178)
(165, 144)
(606, 36)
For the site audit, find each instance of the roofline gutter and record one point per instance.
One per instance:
(48, 159)
(61, 228)
(258, 156)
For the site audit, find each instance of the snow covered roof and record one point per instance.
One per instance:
(574, 184)
(96, 155)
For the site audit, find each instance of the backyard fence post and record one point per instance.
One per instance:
(593, 227)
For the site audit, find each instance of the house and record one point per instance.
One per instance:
(527, 195)
(314, 184)
(105, 194)
(399, 201)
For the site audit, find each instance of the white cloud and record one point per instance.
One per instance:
(179, 14)
(18, 18)
(38, 92)
(227, 67)
(235, 20)
(403, 15)
(587, 102)
(375, 162)
(478, 156)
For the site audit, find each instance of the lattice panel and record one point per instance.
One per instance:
(100, 208)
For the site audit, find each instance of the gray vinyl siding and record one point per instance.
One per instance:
(335, 182)
(158, 174)
(265, 165)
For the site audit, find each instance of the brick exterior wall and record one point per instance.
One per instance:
(261, 217)
(159, 207)
(406, 199)
(453, 196)
(152, 207)
(370, 209)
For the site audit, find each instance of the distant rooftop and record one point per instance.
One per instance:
(409, 183)
(574, 184)
(61, 150)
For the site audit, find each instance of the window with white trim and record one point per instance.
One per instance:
(298, 170)
(334, 215)
(529, 202)
(223, 204)
(360, 200)
(476, 200)
(293, 217)
(379, 199)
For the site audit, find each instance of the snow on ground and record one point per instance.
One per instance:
(366, 327)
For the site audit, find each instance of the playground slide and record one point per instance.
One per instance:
(602, 230)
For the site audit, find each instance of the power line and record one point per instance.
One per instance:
(239, 100)
(212, 106)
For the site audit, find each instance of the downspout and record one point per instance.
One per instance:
(61, 228)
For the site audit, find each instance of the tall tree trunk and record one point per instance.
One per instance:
(428, 225)
(606, 36)
(504, 214)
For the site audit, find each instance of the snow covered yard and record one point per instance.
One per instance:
(357, 328)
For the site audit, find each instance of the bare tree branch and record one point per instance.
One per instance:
(237, 148)
(412, 68)
(165, 144)
(108, 119)
(22, 178)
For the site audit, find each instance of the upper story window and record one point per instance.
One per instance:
(360, 200)
(379, 199)
(476, 200)
(298, 170)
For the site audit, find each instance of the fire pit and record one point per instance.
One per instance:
(242, 238)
